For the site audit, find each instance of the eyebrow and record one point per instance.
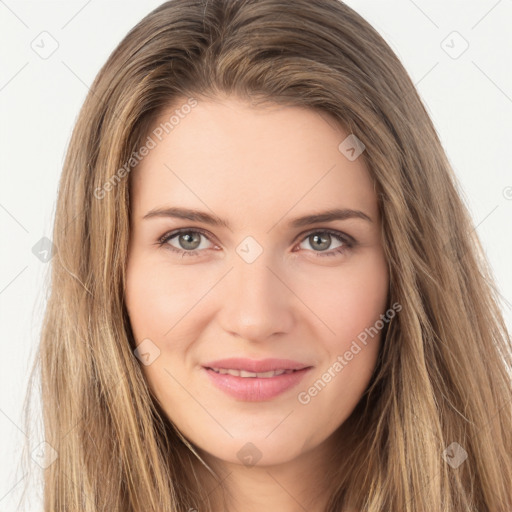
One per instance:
(213, 220)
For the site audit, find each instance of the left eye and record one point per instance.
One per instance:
(323, 239)
(190, 242)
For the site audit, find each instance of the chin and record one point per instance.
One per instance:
(255, 450)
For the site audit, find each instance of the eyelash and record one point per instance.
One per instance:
(348, 242)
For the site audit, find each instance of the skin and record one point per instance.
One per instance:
(257, 168)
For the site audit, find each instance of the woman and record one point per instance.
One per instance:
(267, 292)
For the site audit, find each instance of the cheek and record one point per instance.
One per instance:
(146, 309)
(157, 299)
(157, 302)
(350, 301)
(351, 305)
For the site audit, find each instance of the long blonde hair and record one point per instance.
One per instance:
(444, 369)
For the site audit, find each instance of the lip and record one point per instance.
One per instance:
(256, 389)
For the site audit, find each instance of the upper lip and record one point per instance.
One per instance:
(256, 365)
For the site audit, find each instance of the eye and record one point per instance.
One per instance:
(322, 239)
(188, 242)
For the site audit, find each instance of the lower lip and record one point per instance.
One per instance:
(256, 389)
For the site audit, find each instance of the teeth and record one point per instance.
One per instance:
(243, 373)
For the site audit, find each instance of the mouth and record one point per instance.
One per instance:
(246, 385)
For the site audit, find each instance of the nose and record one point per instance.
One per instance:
(256, 301)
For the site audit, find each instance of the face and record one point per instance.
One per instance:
(255, 276)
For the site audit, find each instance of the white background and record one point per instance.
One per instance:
(469, 99)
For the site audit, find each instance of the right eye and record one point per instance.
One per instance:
(189, 239)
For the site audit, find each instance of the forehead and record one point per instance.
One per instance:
(230, 156)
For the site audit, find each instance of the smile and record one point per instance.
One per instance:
(249, 386)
